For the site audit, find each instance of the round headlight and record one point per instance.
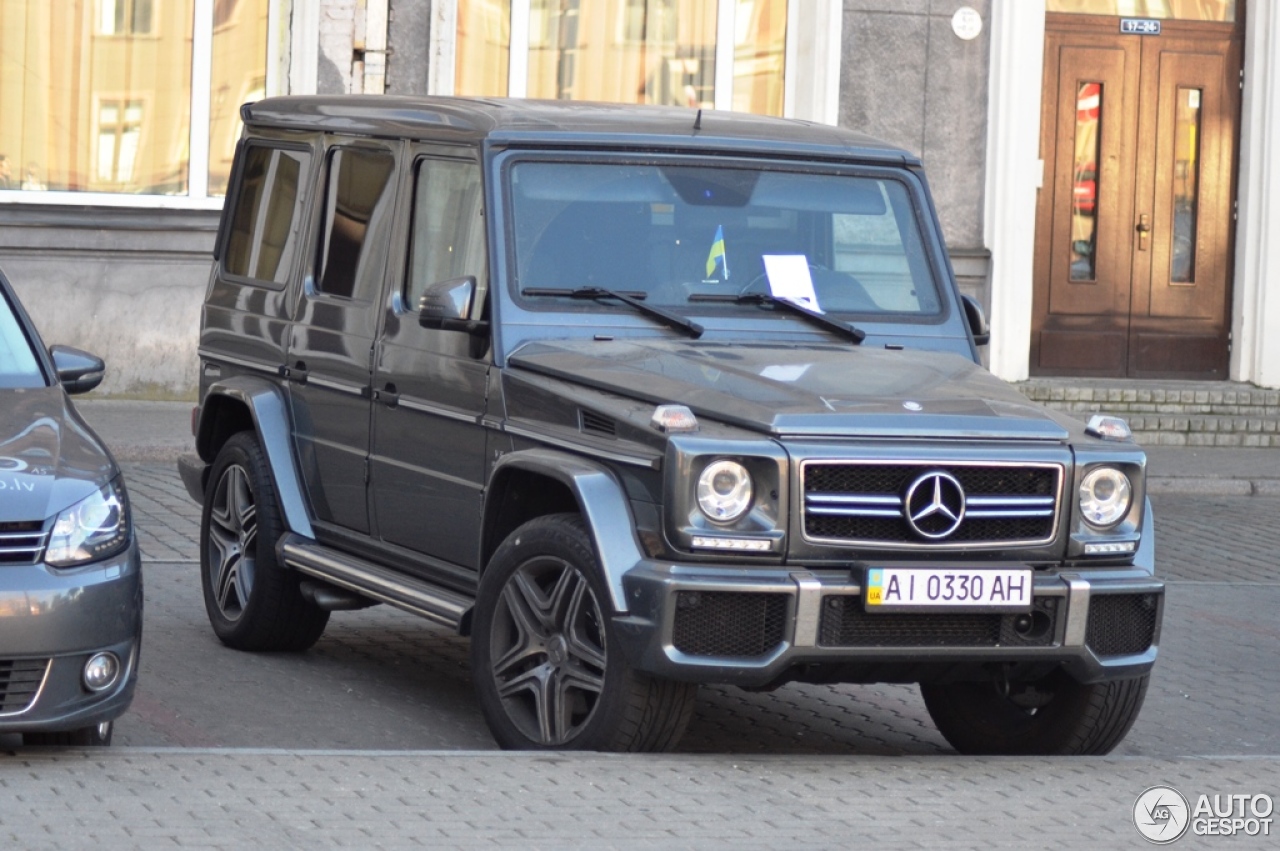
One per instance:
(724, 491)
(1105, 495)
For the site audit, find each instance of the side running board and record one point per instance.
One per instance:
(372, 580)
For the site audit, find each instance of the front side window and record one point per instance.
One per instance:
(19, 366)
(448, 228)
(357, 217)
(266, 221)
(697, 238)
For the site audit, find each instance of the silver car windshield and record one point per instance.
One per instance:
(697, 238)
(18, 364)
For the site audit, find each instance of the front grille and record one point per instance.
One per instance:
(21, 543)
(863, 503)
(726, 623)
(20, 681)
(846, 623)
(1120, 624)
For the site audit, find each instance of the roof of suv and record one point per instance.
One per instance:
(515, 121)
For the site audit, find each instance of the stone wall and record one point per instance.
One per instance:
(908, 79)
(124, 284)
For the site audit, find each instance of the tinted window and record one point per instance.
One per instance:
(683, 236)
(356, 220)
(448, 228)
(18, 364)
(266, 222)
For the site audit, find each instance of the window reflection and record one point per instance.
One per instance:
(239, 75)
(1084, 182)
(1187, 10)
(482, 48)
(630, 51)
(760, 47)
(96, 94)
(1186, 180)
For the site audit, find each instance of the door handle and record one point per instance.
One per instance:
(298, 372)
(387, 395)
(1144, 231)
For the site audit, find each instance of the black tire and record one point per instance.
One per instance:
(96, 736)
(1059, 717)
(548, 670)
(253, 603)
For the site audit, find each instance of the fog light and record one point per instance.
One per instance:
(101, 671)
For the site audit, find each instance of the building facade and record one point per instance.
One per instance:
(1107, 190)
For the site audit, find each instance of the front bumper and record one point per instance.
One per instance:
(51, 623)
(759, 628)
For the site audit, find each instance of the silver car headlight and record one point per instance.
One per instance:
(1105, 496)
(724, 491)
(95, 527)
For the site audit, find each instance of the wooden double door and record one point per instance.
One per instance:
(1135, 219)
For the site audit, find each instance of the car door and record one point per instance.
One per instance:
(428, 453)
(330, 352)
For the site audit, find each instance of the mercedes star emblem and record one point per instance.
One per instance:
(935, 505)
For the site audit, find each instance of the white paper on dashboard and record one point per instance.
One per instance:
(789, 278)
(786, 372)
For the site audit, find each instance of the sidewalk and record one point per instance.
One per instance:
(161, 431)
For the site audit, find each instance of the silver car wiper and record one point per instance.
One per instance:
(844, 329)
(632, 300)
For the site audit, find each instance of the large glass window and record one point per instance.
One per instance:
(97, 95)
(625, 51)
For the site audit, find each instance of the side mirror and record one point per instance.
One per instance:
(977, 320)
(78, 372)
(446, 305)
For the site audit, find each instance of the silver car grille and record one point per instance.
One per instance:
(973, 503)
(21, 543)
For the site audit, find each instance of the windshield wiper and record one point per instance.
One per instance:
(844, 329)
(632, 300)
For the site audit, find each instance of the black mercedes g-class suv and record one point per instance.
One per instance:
(642, 398)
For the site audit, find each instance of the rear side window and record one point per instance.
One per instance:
(267, 221)
(357, 219)
(448, 228)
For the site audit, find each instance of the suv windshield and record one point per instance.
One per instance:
(692, 238)
(18, 364)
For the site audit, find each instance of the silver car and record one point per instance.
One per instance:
(70, 573)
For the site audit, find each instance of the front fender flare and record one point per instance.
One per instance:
(269, 409)
(602, 502)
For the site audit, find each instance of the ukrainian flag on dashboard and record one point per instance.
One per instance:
(717, 259)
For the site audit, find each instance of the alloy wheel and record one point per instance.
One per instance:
(548, 654)
(233, 538)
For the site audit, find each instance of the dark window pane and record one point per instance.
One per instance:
(357, 211)
(267, 218)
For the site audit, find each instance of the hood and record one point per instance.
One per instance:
(49, 458)
(804, 391)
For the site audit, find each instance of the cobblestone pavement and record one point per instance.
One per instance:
(373, 737)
